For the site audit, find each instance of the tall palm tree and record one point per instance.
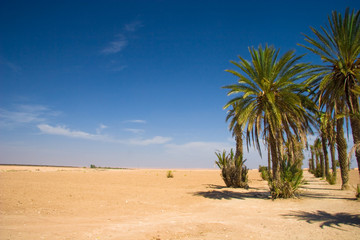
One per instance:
(331, 137)
(311, 163)
(270, 99)
(294, 151)
(341, 147)
(236, 129)
(317, 161)
(319, 150)
(324, 122)
(338, 45)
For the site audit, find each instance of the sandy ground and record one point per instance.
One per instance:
(79, 203)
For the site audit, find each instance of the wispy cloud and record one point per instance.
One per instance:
(64, 131)
(25, 114)
(198, 147)
(135, 121)
(133, 26)
(115, 66)
(122, 39)
(116, 46)
(154, 140)
(101, 128)
(134, 130)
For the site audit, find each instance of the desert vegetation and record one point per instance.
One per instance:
(169, 174)
(233, 170)
(281, 100)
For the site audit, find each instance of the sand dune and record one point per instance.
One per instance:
(79, 203)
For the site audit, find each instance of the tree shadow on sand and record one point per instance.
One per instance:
(228, 195)
(327, 219)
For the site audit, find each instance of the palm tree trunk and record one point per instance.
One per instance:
(269, 159)
(342, 155)
(239, 146)
(312, 161)
(317, 159)
(322, 163)
(333, 161)
(355, 127)
(274, 159)
(326, 157)
(332, 140)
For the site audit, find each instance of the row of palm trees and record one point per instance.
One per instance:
(281, 100)
(326, 139)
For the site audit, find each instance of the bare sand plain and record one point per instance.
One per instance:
(83, 203)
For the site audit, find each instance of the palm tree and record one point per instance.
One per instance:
(341, 148)
(311, 163)
(236, 130)
(319, 151)
(317, 162)
(294, 151)
(331, 124)
(324, 122)
(270, 99)
(338, 45)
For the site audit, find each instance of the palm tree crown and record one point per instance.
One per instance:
(338, 81)
(270, 97)
(339, 48)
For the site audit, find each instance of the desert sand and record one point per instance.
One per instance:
(83, 203)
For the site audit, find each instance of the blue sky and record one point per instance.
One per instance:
(133, 83)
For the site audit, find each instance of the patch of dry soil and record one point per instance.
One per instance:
(76, 203)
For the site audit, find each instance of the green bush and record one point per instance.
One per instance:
(264, 173)
(318, 172)
(262, 168)
(169, 174)
(233, 171)
(358, 191)
(331, 178)
(291, 177)
(92, 166)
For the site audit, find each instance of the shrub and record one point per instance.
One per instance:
(318, 172)
(92, 166)
(331, 178)
(169, 174)
(261, 168)
(264, 172)
(265, 175)
(358, 191)
(233, 171)
(291, 177)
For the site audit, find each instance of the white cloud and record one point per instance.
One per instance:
(25, 114)
(122, 39)
(133, 26)
(100, 128)
(135, 121)
(19, 117)
(134, 130)
(64, 131)
(198, 147)
(154, 140)
(116, 46)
